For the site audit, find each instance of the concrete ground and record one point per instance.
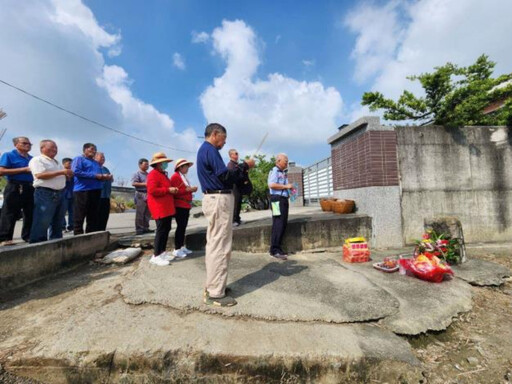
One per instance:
(312, 318)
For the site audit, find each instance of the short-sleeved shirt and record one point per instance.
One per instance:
(209, 167)
(85, 171)
(278, 176)
(140, 177)
(14, 160)
(106, 191)
(41, 164)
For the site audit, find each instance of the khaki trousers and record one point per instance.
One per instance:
(218, 209)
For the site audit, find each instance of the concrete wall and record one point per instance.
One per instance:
(383, 205)
(127, 193)
(463, 172)
(24, 264)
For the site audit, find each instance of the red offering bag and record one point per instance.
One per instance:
(426, 271)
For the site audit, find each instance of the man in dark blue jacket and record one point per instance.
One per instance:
(86, 190)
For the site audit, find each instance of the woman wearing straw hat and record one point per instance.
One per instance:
(182, 203)
(161, 206)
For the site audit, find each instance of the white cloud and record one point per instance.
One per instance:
(379, 33)
(75, 14)
(308, 63)
(201, 37)
(178, 61)
(277, 39)
(430, 33)
(57, 50)
(298, 114)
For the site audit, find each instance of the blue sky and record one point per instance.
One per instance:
(162, 70)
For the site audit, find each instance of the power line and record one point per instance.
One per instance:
(92, 121)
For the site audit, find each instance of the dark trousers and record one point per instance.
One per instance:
(86, 206)
(142, 214)
(17, 197)
(238, 205)
(68, 207)
(279, 224)
(182, 215)
(103, 214)
(163, 227)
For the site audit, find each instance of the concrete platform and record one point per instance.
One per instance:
(306, 230)
(79, 328)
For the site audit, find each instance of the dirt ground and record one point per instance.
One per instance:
(476, 348)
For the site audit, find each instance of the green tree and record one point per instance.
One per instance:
(259, 198)
(454, 96)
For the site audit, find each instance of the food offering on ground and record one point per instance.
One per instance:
(388, 265)
(426, 266)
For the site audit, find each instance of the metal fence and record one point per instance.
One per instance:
(317, 180)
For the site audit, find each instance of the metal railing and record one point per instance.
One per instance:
(317, 180)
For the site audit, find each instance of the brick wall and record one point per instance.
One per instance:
(367, 160)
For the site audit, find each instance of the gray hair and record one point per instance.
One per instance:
(42, 143)
(280, 156)
(16, 139)
(231, 151)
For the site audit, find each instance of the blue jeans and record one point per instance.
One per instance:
(68, 207)
(49, 210)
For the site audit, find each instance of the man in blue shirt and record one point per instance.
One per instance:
(106, 191)
(87, 190)
(218, 202)
(19, 192)
(279, 194)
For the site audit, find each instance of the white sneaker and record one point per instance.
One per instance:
(158, 260)
(167, 256)
(186, 250)
(179, 253)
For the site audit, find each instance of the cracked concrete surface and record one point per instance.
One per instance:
(313, 316)
(307, 288)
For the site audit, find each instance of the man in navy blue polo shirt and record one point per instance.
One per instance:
(19, 192)
(217, 184)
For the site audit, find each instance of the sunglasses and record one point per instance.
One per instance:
(25, 143)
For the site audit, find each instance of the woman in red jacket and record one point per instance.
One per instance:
(161, 206)
(183, 204)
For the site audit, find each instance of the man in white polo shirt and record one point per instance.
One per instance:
(49, 182)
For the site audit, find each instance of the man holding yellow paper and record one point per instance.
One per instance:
(279, 194)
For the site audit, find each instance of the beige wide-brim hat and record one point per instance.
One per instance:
(159, 157)
(181, 162)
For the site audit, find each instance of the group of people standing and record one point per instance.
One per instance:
(44, 190)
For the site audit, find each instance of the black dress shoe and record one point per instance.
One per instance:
(149, 231)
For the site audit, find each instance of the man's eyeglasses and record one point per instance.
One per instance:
(25, 143)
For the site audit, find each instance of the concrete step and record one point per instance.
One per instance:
(304, 232)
